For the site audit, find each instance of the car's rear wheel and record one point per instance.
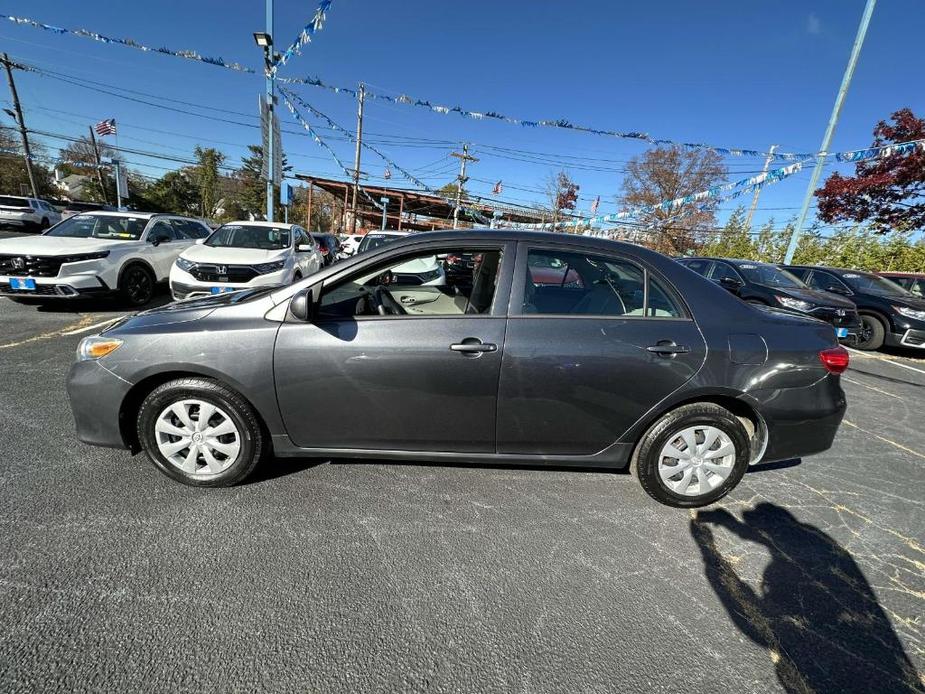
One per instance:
(872, 333)
(136, 285)
(692, 456)
(201, 433)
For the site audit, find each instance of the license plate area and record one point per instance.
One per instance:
(22, 283)
(221, 290)
(841, 332)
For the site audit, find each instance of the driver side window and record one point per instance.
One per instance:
(161, 232)
(436, 282)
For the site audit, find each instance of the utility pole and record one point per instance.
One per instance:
(99, 165)
(461, 180)
(361, 99)
(21, 123)
(830, 130)
(767, 165)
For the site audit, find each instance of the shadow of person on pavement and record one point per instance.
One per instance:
(814, 610)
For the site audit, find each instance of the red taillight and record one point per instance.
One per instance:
(835, 360)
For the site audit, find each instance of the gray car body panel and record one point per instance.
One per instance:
(565, 390)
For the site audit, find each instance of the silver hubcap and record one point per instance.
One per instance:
(696, 460)
(197, 437)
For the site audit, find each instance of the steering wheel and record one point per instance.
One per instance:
(384, 304)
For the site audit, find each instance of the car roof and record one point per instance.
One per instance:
(277, 225)
(896, 273)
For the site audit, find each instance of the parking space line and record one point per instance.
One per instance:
(81, 324)
(885, 440)
(95, 325)
(878, 390)
(885, 359)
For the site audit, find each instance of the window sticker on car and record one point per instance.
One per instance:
(748, 267)
(123, 235)
(851, 276)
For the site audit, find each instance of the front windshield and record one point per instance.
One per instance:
(770, 275)
(100, 226)
(371, 241)
(249, 236)
(873, 284)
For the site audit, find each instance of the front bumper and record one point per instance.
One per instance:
(96, 396)
(912, 338)
(184, 286)
(66, 287)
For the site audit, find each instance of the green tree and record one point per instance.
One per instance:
(14, 178)
(251, 186)
(174, 192)
(206, 176)
(733, 240)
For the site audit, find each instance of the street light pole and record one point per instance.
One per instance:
(271, 98)
(830, 130)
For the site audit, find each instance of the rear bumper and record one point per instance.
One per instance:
(802, 421)
(96, 396)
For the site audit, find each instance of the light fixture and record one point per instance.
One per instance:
(263, 39)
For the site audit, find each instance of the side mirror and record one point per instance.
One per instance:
(302, 305)
(838, 290)
(731, 283)
(199, 242)
(304, 248)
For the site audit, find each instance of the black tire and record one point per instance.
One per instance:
(136, 285)
(296, 276)
(872, 334)
(254, 442)
(644, 463)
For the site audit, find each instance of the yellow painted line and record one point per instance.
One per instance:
(885, 440)
(864, 385)
(82, 323)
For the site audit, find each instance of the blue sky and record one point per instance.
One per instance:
(735, 74)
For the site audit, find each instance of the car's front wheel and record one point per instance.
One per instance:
(136, 285)
(692, 456)
(201, 433)
(873, 332)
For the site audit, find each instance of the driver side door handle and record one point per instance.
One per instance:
(474, 347)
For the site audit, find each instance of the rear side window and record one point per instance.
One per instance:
(579, 284)
(698, 266)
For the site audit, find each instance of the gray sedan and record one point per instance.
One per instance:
(550, 348)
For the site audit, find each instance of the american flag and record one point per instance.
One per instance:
(595, 204)
(497, 190)
(106, 127)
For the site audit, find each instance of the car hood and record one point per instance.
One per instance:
(907, 301)
(58, 245)
(418, 265)
(201, 253)
(814, 296)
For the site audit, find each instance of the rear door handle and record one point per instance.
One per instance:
(474, 347)
(668, 348)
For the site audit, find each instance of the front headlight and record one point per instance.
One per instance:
(97, 346)
(266, 268)
(185, 265)
(910, 312)
(795, 304)
(86, 256)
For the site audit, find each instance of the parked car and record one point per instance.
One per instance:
(913, 282)
(95, 254)
(28, 214)
(77, 207)
(429, 270)
(328, 245)
(348, 245)
(244, 255)
(768, 285)
(890, 315)
(638, 362)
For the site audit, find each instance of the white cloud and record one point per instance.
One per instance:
(813, 25)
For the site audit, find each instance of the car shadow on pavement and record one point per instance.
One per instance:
(814, 610)
(776, 465)
(281, 467)
(100, 304)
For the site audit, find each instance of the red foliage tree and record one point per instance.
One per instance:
(888, 192)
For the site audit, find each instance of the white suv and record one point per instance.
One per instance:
(27, 213)
(97, 253)
(242, 255)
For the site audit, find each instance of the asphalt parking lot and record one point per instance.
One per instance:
(350, 577)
